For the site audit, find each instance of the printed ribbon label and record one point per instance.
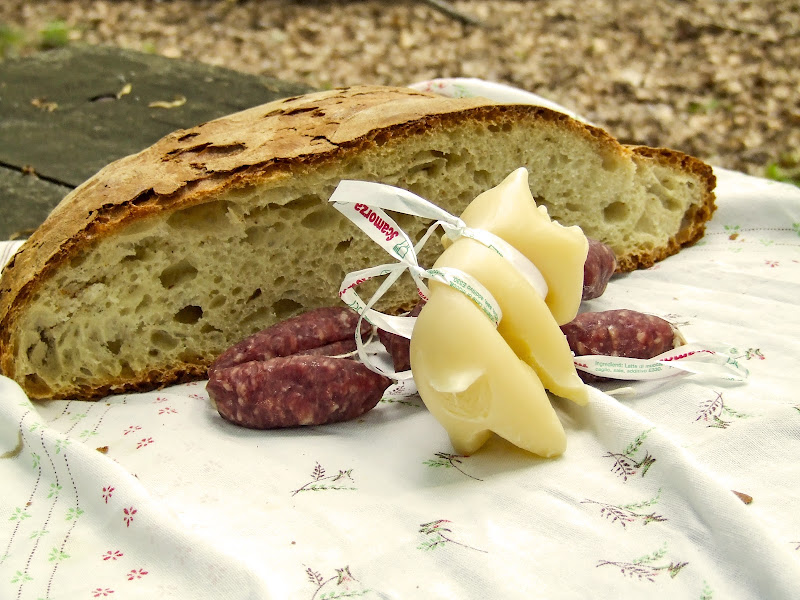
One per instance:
(686, 359)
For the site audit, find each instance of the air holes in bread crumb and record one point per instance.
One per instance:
(285, 308)
(558, 160)
(36, 384)
(427, 162)
(343, 245)
(78, 260)
(302, 203)
(382, 137)
(667, 199)
(125, 369)
(162, 340)
(256, 235)
(615, 212)
(612, 162)
(177, 274)
(189, 356)
(241, 194)
(209, 217)
(189, 315)
(464, 197)
(481, 178)
(114, 346)
(645, 224)
(257, 318)
(320, 219)
(671, 203)
(140, 251)
(143, 305)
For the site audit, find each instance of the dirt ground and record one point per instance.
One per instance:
(719, 79)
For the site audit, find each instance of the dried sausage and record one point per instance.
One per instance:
(297, 372)
(622, 332)
(308, 331)
(597, 270)
(295, 391)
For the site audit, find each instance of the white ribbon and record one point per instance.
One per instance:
(362, 203)
(686, 359)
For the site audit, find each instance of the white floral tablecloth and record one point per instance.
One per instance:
(153, 495)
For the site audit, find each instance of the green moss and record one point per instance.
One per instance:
(11, 39)
(707, 106)
(785, 168)
(54, 35)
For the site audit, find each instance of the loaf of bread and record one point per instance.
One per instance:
(145, 273)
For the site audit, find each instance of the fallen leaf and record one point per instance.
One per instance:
(43, 104)
(178, 101)
(746, 498)
(126, 89)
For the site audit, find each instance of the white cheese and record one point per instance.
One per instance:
(476, 379)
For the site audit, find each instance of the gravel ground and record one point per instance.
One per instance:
(719, 79)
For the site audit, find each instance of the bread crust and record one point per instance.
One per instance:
(264, 145)
(694, 222)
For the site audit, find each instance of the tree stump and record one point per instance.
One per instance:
(67, 113)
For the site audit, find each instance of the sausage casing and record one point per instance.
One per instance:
(305, 332)
(622, 332)
(295, 391)
(601, 262)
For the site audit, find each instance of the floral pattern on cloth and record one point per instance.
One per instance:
(683, 488)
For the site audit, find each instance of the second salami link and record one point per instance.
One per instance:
(624, 333)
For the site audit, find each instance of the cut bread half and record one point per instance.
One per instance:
(146, 272)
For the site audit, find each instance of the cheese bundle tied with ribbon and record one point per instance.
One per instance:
(477, 379)
(487, 343)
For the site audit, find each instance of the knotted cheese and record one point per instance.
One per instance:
(476, 379)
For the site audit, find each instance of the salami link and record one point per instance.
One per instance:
(295, 391)
(625, 333)
(597, 270)
(620, 332)
(306, 332)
